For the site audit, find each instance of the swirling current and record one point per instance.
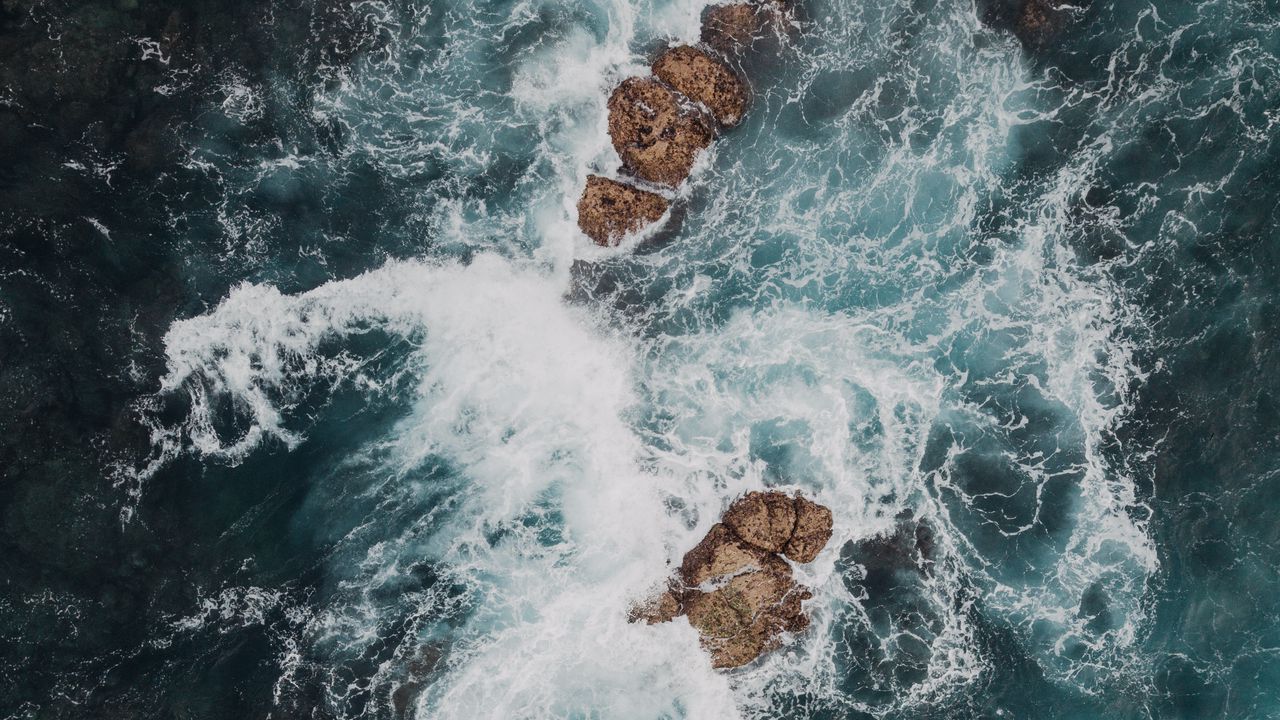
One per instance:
(316, 403)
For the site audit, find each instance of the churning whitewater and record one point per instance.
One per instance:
(954, 276)
(572, 419)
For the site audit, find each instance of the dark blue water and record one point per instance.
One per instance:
(316, 404)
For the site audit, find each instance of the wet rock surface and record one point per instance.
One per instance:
(658, 125)
(737, 27)
(704, 79)
(610, 210)
(739, 595)
(657, 135)
(766, 520)
(812, 531)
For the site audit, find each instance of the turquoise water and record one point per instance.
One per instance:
(386, 437)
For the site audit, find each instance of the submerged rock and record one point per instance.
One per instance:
(704, 79)
(657, 137)
(734, 587)
(609, 210)
(1034, 22)
(735, 27)
(907, 610)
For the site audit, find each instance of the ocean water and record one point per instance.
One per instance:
(340, 416)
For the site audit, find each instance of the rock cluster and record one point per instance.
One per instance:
(735, 587)
(660, 124)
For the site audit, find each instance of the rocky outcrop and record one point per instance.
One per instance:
(658, 125)
(765, 520)
(656, 134)
(610, 210)
(734, 586)
(736, 27)
(813, 530)
(704, 79)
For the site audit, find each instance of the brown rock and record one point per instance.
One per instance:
(414, 678)
(721, 555)
(655, 135)
(764, 519)
(608, 209)
(812, 531)
(726, 629)
(735, 27)
(704, 79)
(740, 597)
(657, 609)
(746, 615)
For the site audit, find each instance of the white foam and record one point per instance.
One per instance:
(582, 463)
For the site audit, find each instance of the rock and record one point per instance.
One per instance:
(812, 531)
(704, 79)
(660, 608)
(766, 520)
(609, 210)
(1039, 20)
(911, 546)
(740, 598)
(892, 573)
(734, 587)
(656, 136)
(735, 27)
(747, 616)
(720, 619)
(722, 554)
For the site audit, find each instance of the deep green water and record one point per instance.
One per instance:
(313, 403)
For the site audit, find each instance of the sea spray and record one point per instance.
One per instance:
(835, 319)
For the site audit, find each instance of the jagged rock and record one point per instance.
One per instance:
(734, 587)
(735, 27)
(764, 519)
(656, 136)
(722, 553)
(704, 79)
(747, 616)
(660, 608)
(1038, 21)
(609, 210)
(812, 531)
